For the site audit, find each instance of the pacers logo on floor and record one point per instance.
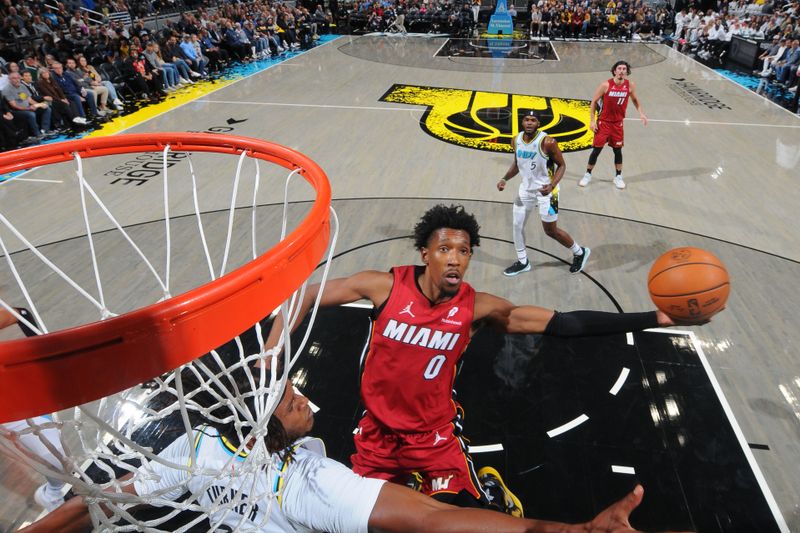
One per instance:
(488, 121)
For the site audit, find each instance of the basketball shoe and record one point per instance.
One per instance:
(619, 183)
(517, 268)
(498, 493)
(585, 180)
(579, 261)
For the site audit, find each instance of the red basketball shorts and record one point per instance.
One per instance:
(439, 457)
(610, 133)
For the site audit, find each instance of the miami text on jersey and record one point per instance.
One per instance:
(425, 337)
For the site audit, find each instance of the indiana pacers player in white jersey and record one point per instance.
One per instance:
(533, 151)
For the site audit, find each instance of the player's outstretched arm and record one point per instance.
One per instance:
(399, 509)
(510, 318)
(71, 517)
(369, 284)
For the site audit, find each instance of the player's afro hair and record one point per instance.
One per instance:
(443, 216)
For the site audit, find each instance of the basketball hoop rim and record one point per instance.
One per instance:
(77, 365)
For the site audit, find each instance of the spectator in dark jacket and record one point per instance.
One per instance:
(70, 89)
(62, 111)
(237, 44)
(216, 55)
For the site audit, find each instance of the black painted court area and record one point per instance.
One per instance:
(666, 423)
(498, 48)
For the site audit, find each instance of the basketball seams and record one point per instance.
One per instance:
(667, 269)
(690, 293)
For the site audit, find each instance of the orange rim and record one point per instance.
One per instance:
(77, 365)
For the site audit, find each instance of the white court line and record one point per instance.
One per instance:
(776, 512)
(712, 123)
(33, 179)
(436, 53)
(623, 375)
(318, 106)
(486, 448)
(375, 108)
(617, 469)
(566, 427)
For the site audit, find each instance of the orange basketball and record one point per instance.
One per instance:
(688, 283)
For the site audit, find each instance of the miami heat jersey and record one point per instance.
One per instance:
(408, 375)
(615, 101)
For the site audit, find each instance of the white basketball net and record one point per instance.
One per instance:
(90, 447)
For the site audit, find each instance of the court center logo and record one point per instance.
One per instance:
(488, 121)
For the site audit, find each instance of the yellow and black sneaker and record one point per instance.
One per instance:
(498, 493)
(415, 481)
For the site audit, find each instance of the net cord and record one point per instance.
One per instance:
(266, 397)
(89, 234)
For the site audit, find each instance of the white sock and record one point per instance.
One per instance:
(522, 257)
(576, 249)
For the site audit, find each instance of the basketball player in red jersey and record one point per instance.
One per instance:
(423, 320)
(608, 129)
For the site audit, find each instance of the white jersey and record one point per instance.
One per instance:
(309, 492)
(532, 163)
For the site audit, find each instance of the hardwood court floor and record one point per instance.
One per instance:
(712, 169)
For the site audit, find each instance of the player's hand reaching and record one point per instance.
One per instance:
(665, 321)
(615, 518)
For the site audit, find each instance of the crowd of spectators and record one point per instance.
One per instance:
(457, 18)
(602, 19)
(65, 72)
(62, 70)
(555, 19)
(707, 36)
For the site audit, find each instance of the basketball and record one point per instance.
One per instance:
(688, 283)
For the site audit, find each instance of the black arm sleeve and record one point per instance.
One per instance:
(588, 323)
